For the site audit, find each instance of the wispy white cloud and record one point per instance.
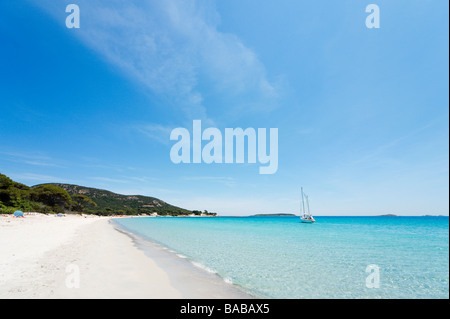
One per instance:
(141, 179)
(31, 177)
(382, 149)
(228, 181)
(30, 158)
(208, 178)
(123, 179)
(92, 162)
(169, 46)
(110, 180)
(157, 132)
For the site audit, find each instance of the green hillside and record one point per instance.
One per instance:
(111, 203)
(59, 198)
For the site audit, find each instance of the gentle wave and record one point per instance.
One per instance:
(201, 266)
(279, 257)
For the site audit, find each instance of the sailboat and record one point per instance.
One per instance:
(306, 216)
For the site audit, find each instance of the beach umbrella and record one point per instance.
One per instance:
(18, 213)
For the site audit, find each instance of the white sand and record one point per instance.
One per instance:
(40, 257)
(44, 256)
(76, 257)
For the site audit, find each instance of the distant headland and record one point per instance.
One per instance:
(58, 198)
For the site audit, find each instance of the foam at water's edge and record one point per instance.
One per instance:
(279, 257)
(154, 250)
(201, 266)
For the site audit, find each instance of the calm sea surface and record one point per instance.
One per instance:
(279, 257)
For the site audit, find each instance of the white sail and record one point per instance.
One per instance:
(306, 213)
(303, 203)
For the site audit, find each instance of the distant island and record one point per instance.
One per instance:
(267, 215)
(65, 198)
(393, 215)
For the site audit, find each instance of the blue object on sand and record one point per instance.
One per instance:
(18, 213)
(60, 215)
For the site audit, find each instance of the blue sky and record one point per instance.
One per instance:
(362, 114)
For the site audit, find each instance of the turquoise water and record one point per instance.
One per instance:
(279, 257)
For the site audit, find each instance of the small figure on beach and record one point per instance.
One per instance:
(18, 214)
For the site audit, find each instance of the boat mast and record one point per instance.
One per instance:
(307, 205)
(303, 202)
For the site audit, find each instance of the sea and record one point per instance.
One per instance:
(337, 257)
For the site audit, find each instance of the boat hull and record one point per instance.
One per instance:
(307, 221)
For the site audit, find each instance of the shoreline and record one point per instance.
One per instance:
(44, 256)
(194, 280)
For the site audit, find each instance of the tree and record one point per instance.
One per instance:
(5, 182)
(51, 195)
(80, 202)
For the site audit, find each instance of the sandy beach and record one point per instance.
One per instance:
(43, 256)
